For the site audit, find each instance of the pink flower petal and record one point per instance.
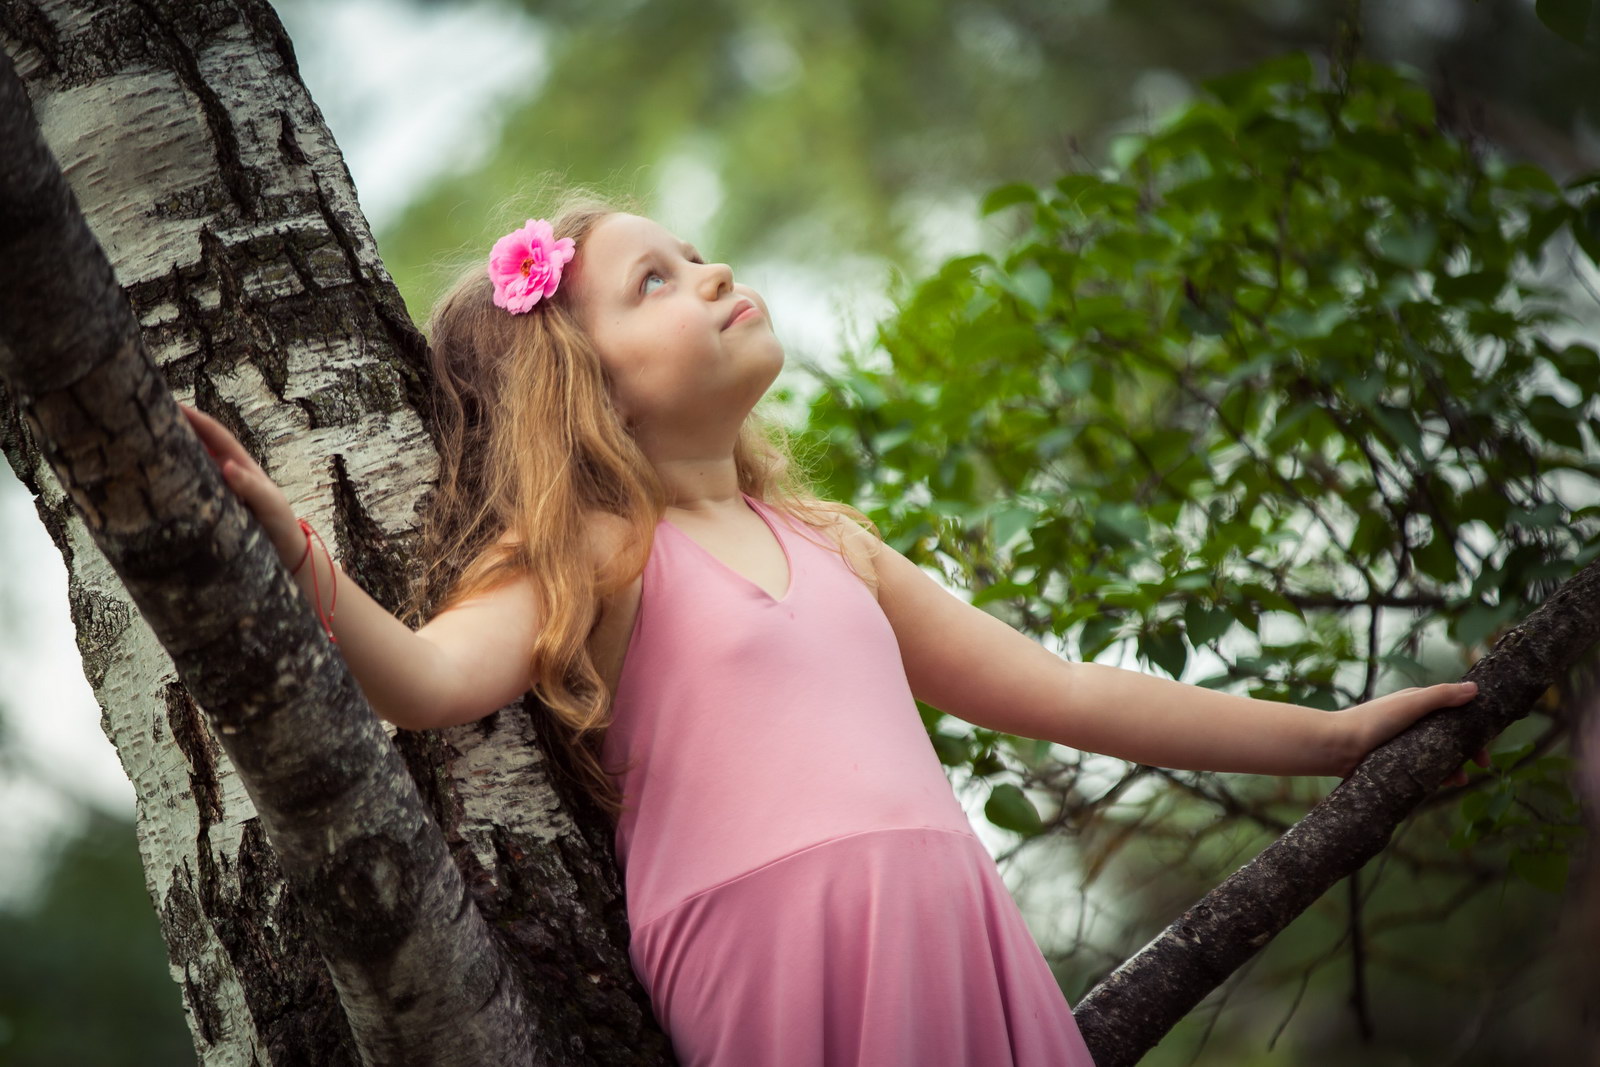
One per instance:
(525, 265)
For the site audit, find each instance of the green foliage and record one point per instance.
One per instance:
(1009, 807)
(84, 977)
(837, 129)
(1285, 365)
(1569, 18)
(1529, 813)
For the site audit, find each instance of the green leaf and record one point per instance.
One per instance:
(1481, 286)
(1507, 759)
(1270, 600)
(1205, 624)
(952, 751)
(1556, 422)
(1374, 533)
(1580, 365)
(1475, 624)
(1029, 283)
(1011, 522)
(1542, 225)
(1544, 516)
(1437, 559)
(1008, 196)
(1009, 808)
(1410, 245)
(1529, 176)
(1201, 321)
(1586, 228)
(1001, 590)
(1569, 18)
(987, 763)
(1119, 524)
(1402, 426)
(1544, 870)
(1414, 671)
(1096, 635)
(1165, 648)
(1302, 323)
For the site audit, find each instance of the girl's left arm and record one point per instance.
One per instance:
(966, 662)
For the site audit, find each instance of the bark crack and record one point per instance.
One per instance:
(224, 138)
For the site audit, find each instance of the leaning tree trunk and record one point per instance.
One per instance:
(221, 199)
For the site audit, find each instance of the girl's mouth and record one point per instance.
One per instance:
(744, 310)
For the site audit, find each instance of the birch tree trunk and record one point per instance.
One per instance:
(221, 199)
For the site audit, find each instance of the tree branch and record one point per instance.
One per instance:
(1128, 1012)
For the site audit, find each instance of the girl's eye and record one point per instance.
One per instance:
(644, 286)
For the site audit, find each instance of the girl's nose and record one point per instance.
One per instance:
(719, 279)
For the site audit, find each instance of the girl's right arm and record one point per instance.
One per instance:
(468, 661)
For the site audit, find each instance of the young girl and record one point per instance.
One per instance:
(736, 664)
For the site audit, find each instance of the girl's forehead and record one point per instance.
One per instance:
(622, 234)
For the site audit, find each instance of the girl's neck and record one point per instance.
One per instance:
(699, 476)
(700, 485)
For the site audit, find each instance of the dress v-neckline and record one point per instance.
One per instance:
(788, 561)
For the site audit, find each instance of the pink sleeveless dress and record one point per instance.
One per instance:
(803, 887)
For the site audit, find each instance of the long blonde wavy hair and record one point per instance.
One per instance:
(531, 446)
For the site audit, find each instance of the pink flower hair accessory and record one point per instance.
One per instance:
(525, 265)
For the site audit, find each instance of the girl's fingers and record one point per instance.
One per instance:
(1480, 757)
(218, 439)
(206, 428)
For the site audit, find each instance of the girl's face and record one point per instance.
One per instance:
(687, 348)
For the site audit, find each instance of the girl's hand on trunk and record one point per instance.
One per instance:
(246, 478)
(1366, 726)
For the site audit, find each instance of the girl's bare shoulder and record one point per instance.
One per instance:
(858, 544)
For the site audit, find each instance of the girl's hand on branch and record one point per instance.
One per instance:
(1369, 725)
(246, 478)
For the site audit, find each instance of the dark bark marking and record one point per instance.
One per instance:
(182, 922)
(287, 143)
(99, 622)
(242, 184)
(25, 24)
(194, 739)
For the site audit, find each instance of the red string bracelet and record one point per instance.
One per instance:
(316, 592)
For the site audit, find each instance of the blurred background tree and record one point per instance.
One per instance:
(859, 128)
(838, 151)
(85, 975)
